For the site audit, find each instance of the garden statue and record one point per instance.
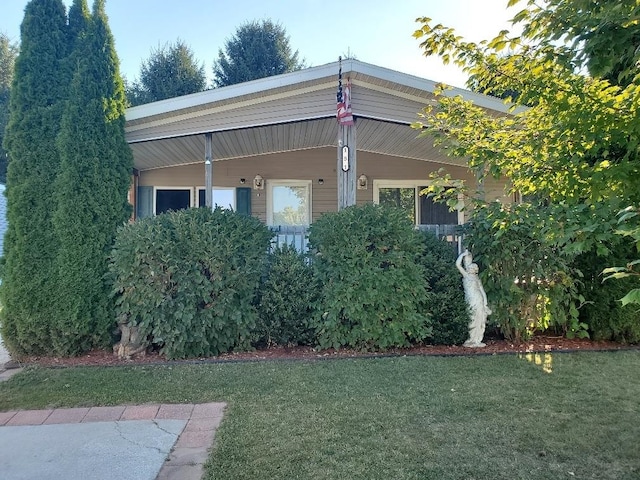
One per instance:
(476, 298)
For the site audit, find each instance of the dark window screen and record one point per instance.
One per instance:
(172, 200)
(434, 213)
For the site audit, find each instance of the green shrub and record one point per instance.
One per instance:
(607, 318)
(287, 295)
(445, 303)
(188, 279)
(525, 267)
(372, 287)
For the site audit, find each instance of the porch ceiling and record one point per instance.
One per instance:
(373, 136)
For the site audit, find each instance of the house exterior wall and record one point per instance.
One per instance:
(313, 165)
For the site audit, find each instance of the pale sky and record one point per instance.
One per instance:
(375, 31)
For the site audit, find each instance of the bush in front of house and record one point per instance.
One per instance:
(525, 267)
(372, 288)
(445, 303)
(187, 280)
(286, 298)
(602, 311)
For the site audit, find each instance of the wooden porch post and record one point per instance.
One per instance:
(346, 167)
(208, 170)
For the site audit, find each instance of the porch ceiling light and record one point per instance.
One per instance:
(258, 183)
(363, 182)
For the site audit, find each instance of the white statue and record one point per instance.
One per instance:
(476, 298)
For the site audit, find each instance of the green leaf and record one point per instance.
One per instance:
(632, 297)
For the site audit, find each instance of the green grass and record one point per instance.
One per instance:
(494, 417)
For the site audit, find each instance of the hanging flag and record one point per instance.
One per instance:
(343, 98)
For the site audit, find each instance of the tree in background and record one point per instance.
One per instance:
(8, 54)
(574, 150)
(170, 71)
(258, 49)
(604, 39)
(91, 189)
(29, 283)
(602, 36)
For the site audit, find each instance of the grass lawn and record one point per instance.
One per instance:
(493, 417)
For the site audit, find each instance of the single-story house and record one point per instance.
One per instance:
(272, 147)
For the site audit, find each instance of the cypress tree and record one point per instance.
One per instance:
(8, 54)
(91, 189)
(28, 290)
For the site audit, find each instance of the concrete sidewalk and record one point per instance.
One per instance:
(145, 442)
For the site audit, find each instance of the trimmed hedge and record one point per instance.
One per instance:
(287, 295)
(446, 303)
(188, 279)
(371, 286)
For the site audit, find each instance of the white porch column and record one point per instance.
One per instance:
(208, 170)
(346, 167)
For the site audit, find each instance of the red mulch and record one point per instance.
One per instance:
(537, 344)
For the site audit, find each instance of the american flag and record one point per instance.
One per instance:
(344, 114)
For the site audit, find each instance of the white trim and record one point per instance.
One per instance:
(156, 188)
(288, 183)
(415, 184)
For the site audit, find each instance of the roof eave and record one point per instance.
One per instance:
(300, 76)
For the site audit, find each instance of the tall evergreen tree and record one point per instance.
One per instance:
(170, 71)
(8, 53)
(257, 50)
(28, 290)
(91, 190)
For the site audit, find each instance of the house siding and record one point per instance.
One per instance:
(312, 164)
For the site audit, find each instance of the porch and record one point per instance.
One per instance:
(272, 148)
(297, 236)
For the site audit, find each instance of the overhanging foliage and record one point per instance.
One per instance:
(571, 141)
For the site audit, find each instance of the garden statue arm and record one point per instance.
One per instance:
(459, 262)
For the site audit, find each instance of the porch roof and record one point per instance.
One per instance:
(294, 111)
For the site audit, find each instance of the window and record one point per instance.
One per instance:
(289, 203)
(421, 209)
(166, 199)
(224, 197)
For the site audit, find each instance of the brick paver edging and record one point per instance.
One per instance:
(190, 452)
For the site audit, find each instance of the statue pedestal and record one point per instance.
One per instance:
(470, 344)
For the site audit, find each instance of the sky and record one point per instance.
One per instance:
(374, 31)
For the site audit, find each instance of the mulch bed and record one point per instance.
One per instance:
(494, 347)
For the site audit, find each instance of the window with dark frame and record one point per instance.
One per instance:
(172, 199)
